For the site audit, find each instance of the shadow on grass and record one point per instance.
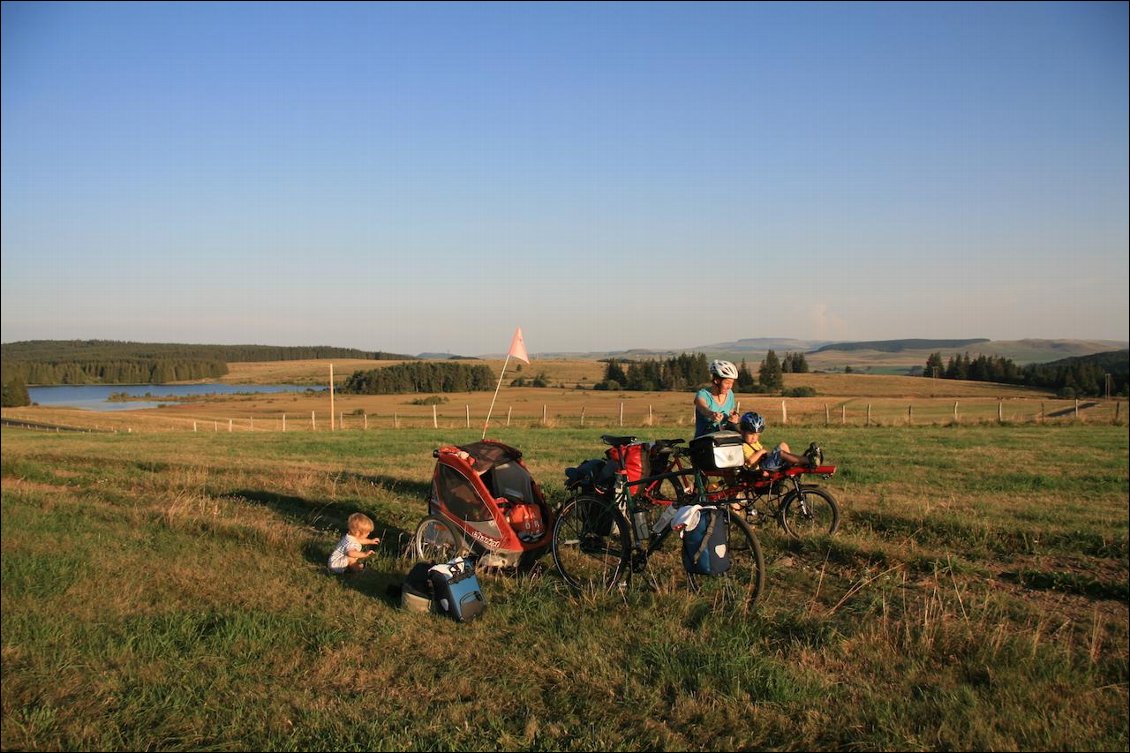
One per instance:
(400, 487)
(332, 518)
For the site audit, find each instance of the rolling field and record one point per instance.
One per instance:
(845, 400)
(166, 590)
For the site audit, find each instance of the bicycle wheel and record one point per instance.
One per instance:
(736, 589)
(591, 544)
(811, 511)
(437, 540)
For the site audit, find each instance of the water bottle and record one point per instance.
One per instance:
(639, 519)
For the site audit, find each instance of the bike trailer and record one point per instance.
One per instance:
(455, 590)
(717, 451)
(485, 492)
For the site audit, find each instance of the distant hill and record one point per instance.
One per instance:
(875, 357)
(1115, 361)
(897, 346)
(55, 350)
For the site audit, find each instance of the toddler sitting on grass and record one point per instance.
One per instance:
(347, 555)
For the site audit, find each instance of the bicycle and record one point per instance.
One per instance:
(597, 549)
(801, 509)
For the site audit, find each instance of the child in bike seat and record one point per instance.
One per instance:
(757, 458)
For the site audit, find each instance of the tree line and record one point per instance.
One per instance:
(1086, 376)
(684, 372)
(117, 362)
(124, 371)
(420, 376)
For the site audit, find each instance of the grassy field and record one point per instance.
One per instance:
(167, 591)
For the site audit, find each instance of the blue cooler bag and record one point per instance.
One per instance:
(704, 546)
(455, 590)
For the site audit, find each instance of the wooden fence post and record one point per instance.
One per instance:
(193, 427)
(313, 422)
(843, 414)
(784, 413)
(508, 409)
(468, 416)
(365, 416)
(909, 414)
(582, 416)
(868, 423)
(253, 423)
(544, 416)
(395, 420)
(284, 422)
(229, 426)
(650, 416)
(826, 415)
(1000, 411)
(435, 419)
(1076, 409)
(955, 411)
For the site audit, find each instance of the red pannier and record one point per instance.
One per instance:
(633, 459)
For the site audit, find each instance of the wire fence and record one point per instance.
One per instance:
(856, 412)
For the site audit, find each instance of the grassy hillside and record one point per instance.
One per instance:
(167, 591)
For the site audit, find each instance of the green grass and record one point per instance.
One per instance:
(168, 591)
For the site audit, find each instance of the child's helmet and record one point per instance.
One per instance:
(723, 369)
(752, 422)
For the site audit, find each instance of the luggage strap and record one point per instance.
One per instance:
(706, 536)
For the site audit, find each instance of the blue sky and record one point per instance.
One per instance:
(426, 177)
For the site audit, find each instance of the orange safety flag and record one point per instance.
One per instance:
(518, 347)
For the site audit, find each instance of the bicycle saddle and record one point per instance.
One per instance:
(616, 441)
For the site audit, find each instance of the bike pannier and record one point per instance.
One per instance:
(705, 546)
(633, 458)
(456, 591)
(717, 451)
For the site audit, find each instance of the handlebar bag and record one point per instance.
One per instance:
(717, 451)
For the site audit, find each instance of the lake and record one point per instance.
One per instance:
(94, 396)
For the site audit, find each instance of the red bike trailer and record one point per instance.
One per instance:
(484, 502)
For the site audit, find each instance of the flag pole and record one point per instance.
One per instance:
(491, 409)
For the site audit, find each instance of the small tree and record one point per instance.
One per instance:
(770, 372)
(15, 394)
(934, 366)
(745, 381)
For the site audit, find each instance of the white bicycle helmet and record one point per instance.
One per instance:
(723, 369)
